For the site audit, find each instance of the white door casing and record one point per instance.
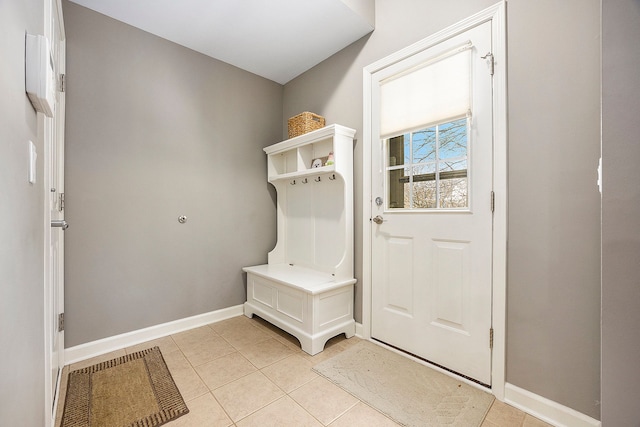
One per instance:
(53, 131)
(398, 241)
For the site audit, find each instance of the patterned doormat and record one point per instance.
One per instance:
(134, 390)
(408, 392)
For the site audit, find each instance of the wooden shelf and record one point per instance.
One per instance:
(304, 173)
(293, 158)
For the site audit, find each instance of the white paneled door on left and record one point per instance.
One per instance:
(432, 204)
(54, 216)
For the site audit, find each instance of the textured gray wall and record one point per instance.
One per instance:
(155, 131)
(21, 228)
(554, 206)
(620, 213)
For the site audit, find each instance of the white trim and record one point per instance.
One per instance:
(500, 161)
(366, 202)
(547, 410)
(56, 399)
(49, 397)
(359, 330)
(49, 311)
(481, 17)
(128, 339)
(496, 14)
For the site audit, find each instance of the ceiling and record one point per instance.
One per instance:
(275, 39)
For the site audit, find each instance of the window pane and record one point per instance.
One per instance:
(424, 186)
(453, 184)
(453, 139)
(399, 189)
(424, 145)
(399, 151)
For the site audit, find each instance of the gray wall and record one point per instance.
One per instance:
(21, 228)
(620, 213)
(553, 283)
(554, 206)
(155, 131)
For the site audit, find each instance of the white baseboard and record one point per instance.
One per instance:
(106, 345)
(359, 330)
(545, 409)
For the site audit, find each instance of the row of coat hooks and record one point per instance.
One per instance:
(332, 177)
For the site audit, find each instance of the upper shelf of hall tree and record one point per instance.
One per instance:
(307, 154)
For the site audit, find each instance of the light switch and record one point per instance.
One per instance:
(33, 157)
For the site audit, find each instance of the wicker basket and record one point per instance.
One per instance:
(304, 123)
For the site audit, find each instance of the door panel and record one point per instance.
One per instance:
(54, 181)
(399, 270)
(451, 276)
(432, 250)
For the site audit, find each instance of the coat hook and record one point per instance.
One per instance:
(304, 181)
(293, 182)
(317, 179)
(332, 177)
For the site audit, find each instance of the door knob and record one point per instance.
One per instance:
(59, 223)
(378, 219)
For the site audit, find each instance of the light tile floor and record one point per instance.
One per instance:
(245, 372)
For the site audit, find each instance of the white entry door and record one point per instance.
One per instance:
(431, 244)
(54, 181)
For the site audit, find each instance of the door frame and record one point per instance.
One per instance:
(495, 14)
(52, 8)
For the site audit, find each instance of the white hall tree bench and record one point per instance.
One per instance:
(307, 287)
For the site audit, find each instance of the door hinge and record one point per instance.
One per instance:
(490, 62)
(491, 338)
(61, 202)
(62, 83)
(60, 322)
(493, 201)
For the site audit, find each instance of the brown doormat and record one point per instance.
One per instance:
(407, 392)
(135, 390)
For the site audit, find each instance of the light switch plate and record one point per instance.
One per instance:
(33, 157)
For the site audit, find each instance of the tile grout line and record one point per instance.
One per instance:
(293, 351)
(237, 350)
(271, 335)
(209, 391)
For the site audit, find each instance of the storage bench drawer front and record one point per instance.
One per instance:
(291, 303)
(335, 307)
(286, 303)
(262, 291)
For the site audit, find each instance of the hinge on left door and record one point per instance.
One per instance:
(491, 338)
(62, 85)
(60, 322)
(493, 201)
(61, 202)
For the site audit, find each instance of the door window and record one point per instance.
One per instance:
(429, 168)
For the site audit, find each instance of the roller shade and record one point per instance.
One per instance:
(437, 90)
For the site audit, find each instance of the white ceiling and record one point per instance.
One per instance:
(276, 39)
